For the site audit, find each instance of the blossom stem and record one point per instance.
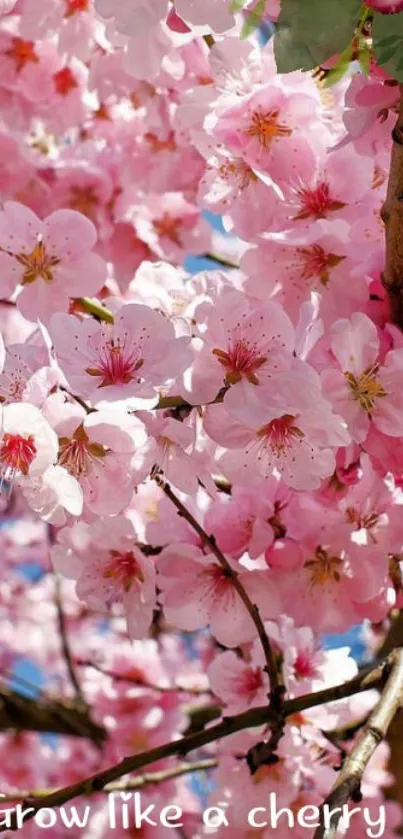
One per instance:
(371, 677)
(95, 308)
(211, 544)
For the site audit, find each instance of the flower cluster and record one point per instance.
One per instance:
(262, 392)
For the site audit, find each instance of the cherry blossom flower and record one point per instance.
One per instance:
(54, 496)
(109, 569)
(267, 130)
(362, 388)
(337, 583)
(243, 346)
(197, 592)
(129, 360)
(239, 684)
(48, 259)
(28, 444)
(170, 226)
(291, 431)
(171, 448)
(97, 452)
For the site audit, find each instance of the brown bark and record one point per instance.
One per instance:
(392, 216)
(394, 639)
(21, 713)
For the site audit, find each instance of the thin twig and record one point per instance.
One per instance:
(254, 717)
(138, 782)
(348, 784)
(222, 260)
(61, 620)
(211, 544)
(93, 307)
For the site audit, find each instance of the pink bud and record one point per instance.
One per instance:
(284, 554)
(386, 7)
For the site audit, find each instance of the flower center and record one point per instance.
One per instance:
(251, 680)
(280, 434)
(316, 203)
(64, 81)
(117, 364)
(367, 521)
(74, 6)
(16, 455)
(83, 199)
(157, 145)
(123, 568)
(265, 126)
(316, 263)
(303, 665)
(168, 226)
(77, 453)
(324, 568)
(22, 52)
(240, 360)
(38, 263)
(239, 172)
(365, 388)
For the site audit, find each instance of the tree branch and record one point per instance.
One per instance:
(348, 784)
(65, 644)
(210, 542)
(23, 713)
(136, 783)
(254, 717)
(392, 216)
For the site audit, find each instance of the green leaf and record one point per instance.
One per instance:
(309, 32)
(335, 73)
(385, 55)
(387, 35)
(385, 42)
(253, 19)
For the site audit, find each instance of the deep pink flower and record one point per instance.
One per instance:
(386, 7)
